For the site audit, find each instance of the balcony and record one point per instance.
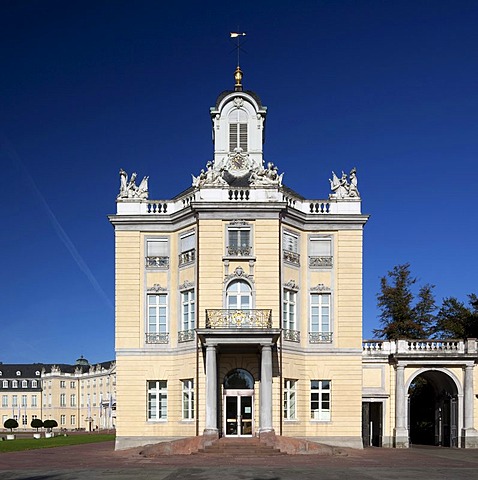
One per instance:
(318, 262)
(157, 338)
(157, 262)
(238, 319)
(320, 337)
(291, 257)
(185, 258)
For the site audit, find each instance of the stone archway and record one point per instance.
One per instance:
(433, 409)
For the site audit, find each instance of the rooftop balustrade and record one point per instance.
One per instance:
(380, 348)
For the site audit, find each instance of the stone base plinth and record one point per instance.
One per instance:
(400, 438)
(469, 438)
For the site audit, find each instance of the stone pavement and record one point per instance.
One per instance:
(100, 461)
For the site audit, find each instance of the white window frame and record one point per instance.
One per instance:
(34, 383)
(188, 399)
(321, 252)
(157, 400)
(72, 420)
(63, 419)
(24, 401)
(157, 318)
(290, 247)
(73, 400)
(239, 244)
(187, 248)
(320, 317)
(4, 400)
(14, 400)
(62, 400)
(34, 401)
(24, 384)
(157, 252)
(236, 292)
(290, 399)
(5, 383)
(188, 315)
(320, 400)
(14, 383)
(289, 309)
(24, 420)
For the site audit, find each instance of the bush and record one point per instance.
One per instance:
(10, 423)
(50, 424)
(36, 423)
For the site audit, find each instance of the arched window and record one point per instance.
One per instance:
(238, 296)
(239, 379)
(238, 130)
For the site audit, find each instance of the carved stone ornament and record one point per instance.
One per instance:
(291, 285)
(212, 177)
(157, 288)
(320, 287)
(266, 176)
(238, 163)
(238, 223)
(238, 102)
(239, 273)
(342, 188)
(129, 189)
(186, 285)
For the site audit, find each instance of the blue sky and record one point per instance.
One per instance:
(388, 87)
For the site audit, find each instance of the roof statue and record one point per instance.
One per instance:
(129, 189)
(342, 187)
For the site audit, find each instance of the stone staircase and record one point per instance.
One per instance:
(239, 447)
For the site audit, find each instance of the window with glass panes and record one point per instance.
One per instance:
(187, 246)
(320, 252)
(4, 400)
(24, 400)
(157, 313)
(320, 313)
(188, 399)
(188, 310)
(238, 296)
(157, 399)
(290, 396)
(320, 400)
(288, 310)
(239, 241)
(157, 253)
(34, 401)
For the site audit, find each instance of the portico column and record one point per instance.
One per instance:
(266, 390)
(401, 431)
(211, 390)
(468, 398)
(469, 435)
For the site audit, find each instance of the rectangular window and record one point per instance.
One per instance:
(62, 419)
(62, 400)
(187, 246)
(34, 401)
(72, 384)
(15, 384)
(290, 247)
(24, 400)
(24, 384)
(5, 383)
(72, 419)
(320, 330)
(62, 384)
(157, 253)
(157, 400)
(24, 420)
(157, 329)
(290, 396)
(188, 399)
(239, 241)
(289, 316)
(73, 400)
(14, 400)
(34, 384)
(4, 400)
(320, 252)
(188, 315)
(320, 400)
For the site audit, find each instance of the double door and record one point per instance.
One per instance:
(238, 413)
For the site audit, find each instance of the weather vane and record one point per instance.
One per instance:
(238, 36)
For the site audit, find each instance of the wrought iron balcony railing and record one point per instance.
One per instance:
(187, 257)
(157, 262)
(291, 257)
(239, 251)
(320, 337)
(157, 338)
(291, 335)
(186, 336)
(320, 261)
(246, 318)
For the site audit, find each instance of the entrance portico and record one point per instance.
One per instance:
(237, 411)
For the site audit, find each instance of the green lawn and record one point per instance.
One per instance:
(60, 441)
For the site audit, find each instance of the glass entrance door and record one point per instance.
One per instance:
(238, 414)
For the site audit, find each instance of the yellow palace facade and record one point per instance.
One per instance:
(238, 302)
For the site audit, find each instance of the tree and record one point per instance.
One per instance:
(50, 424)
(36, 423)
(456, 320)
(10, 423)
(399, 318)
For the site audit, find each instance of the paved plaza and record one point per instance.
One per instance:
(100, 461)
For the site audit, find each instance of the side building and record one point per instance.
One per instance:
(239, 302)
(78, 397)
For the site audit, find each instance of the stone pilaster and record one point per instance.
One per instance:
(211, 391)
(266, 390)
(469, 436)
(400, 431)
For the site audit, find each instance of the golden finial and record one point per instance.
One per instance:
(238, 79)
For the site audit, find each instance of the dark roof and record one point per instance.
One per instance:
(28, 370)
(225, 93)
